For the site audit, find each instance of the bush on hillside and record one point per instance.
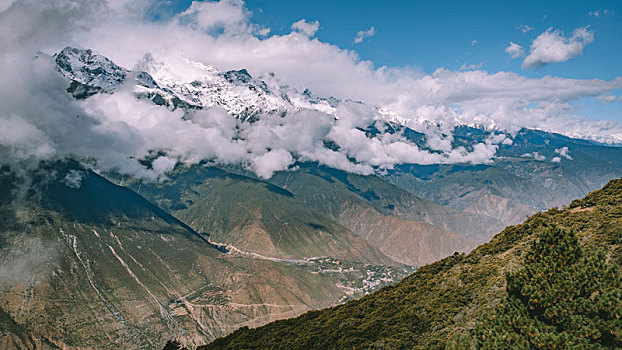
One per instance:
(560, 299)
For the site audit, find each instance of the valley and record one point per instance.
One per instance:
(219, 209)
(443, 304)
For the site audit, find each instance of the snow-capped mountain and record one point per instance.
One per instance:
(236, 91)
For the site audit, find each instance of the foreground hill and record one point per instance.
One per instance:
(444, 300)
(88, 264)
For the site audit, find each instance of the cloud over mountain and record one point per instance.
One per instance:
(41, 120)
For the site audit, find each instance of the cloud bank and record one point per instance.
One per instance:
(40, 120)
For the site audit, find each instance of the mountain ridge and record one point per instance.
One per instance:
(440, 301)
(83, 251)
(529, 170)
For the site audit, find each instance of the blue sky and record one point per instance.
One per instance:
(428, 34)
(431, 34)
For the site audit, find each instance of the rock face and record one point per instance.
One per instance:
(500, 208)
(409, 242)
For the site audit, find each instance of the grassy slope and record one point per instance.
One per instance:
(442, 299)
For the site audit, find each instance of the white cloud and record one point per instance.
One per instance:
(4, 4)
(363, 34)
(127, 5)
(472, 66)
(538, 156)
(267, 164)
(163, 164)
(474, 42)
(606, 99)
(514, 50)
(564, 152)
(307, 28)
(21, 23)
(73, 179)
(552, 47)
(556, 159)
(22, 140)
(525, 28)
(229, 17)
(601, 13)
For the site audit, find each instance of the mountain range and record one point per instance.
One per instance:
(441, 304)
(103, 257)
(93, 256)
(532, 170)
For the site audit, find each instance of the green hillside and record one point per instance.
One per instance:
(560, 298)
(442, 303)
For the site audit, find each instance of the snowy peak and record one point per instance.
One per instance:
(241, 76)
(91, 73)
(236, 91)
(86, 67)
